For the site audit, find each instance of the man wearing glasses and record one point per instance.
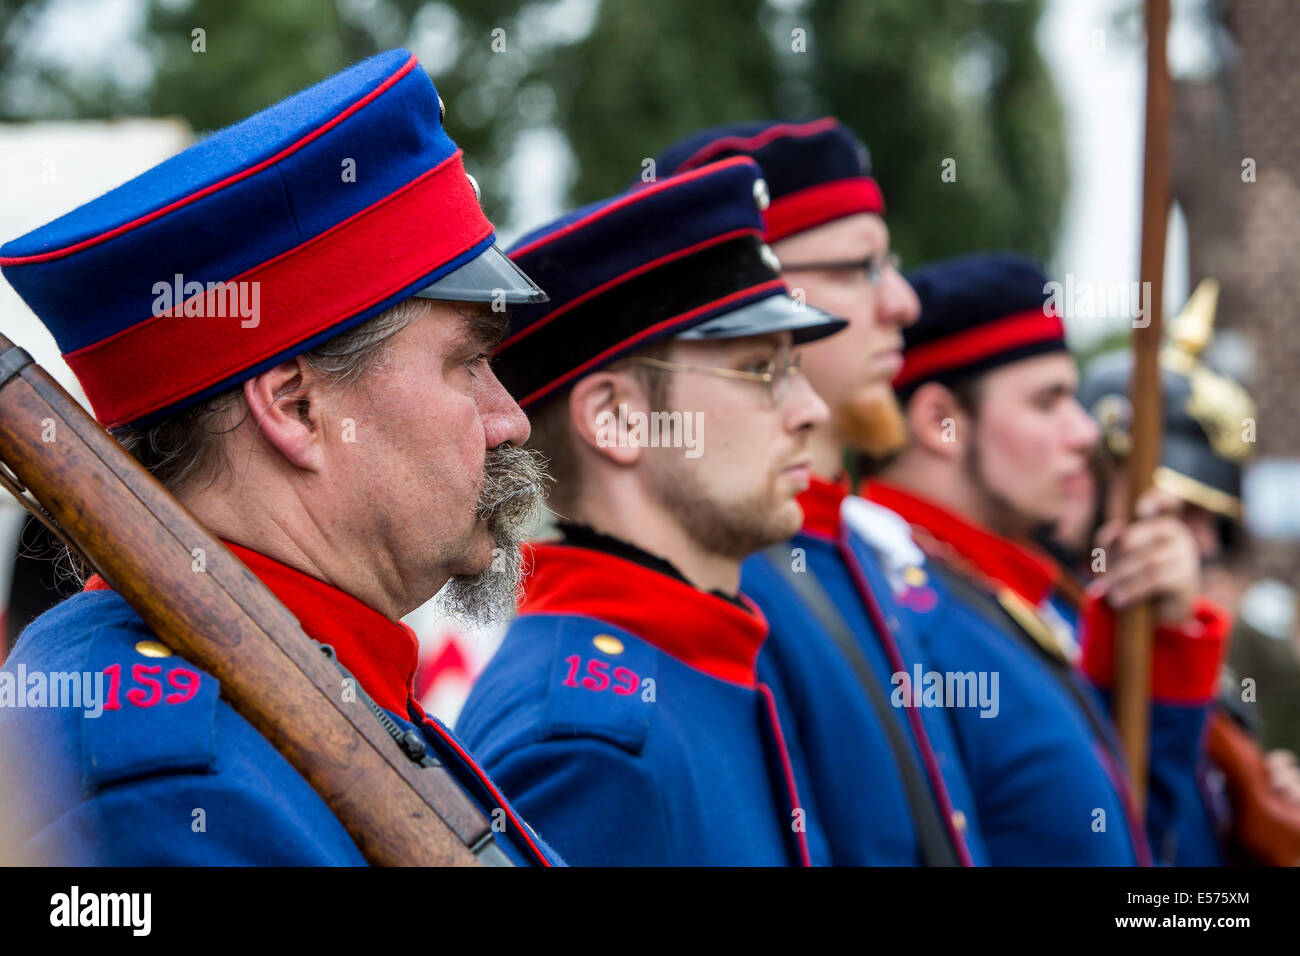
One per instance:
(840, 595)
(623, 712)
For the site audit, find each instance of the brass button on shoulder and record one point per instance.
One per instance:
(153, 649)
(914, 576)
(959, 821)
(608, 644)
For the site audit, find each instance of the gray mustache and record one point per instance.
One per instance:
(514, 483)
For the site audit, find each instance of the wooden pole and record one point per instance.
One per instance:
(1137, 623)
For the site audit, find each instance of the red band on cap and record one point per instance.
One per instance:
(621, 278)
(819, 204)
(630, 344)
(300, 293)
(966, 348)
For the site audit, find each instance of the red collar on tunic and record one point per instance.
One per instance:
(821, 502)
(1031, 574)
(381, 654)
(702, 630)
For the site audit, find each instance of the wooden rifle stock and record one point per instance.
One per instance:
(1266, 824)
(145, 543)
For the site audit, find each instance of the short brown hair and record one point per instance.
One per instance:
(552, 435)
(187, 445)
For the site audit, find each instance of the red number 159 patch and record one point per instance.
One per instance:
(182, 682)
(597, 676)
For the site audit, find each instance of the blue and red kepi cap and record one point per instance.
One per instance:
(978, 312)
(261, 242)
(816, 171)
(682, 258)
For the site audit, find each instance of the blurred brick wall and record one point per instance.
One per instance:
(1247, 234)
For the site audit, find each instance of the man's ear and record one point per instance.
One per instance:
(938, 422)
(594, 414)
(286, 408)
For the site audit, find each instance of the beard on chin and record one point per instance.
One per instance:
(1005, 517)
(733, 529)
(514, 483)
(872, 423)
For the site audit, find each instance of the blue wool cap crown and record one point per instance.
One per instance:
(262, 241)
(683, 257)
(977, 312)
(816, 171)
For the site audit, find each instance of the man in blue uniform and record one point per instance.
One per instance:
(289, 325)
(997, 443)
(623, 713)
(836, 593)
(1208, 420)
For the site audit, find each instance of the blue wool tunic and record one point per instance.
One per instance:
(167, 773)
(879, 783)
(1048, 774)
(622, 715)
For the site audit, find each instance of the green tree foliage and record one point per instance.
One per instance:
(650, 73)
(259, 52)
(921, 81)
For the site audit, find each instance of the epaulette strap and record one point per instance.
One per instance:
(602, 683)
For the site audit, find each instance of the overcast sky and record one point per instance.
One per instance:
(1103, 96)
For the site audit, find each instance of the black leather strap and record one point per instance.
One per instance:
(13, 361)
(987, 605)
(936, 844)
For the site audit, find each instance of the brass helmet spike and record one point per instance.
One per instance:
(1193, 327)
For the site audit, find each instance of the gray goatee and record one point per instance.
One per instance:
(514, 484)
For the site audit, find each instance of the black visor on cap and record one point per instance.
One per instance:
(776, 313)
(488, 277)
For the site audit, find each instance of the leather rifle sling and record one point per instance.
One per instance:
(1058, 667)
(936, 845)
